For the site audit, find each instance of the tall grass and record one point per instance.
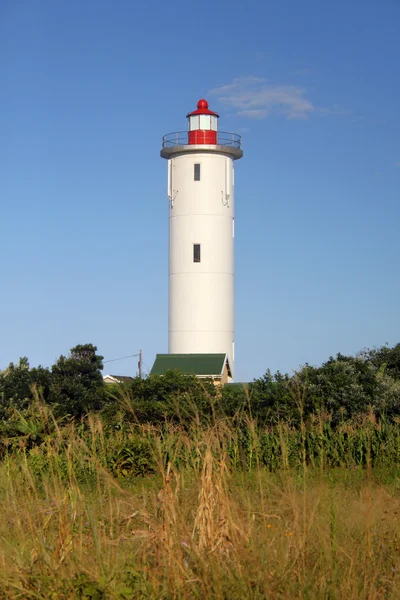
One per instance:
(219, 510)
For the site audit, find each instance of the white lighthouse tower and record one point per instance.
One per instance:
(201, 235)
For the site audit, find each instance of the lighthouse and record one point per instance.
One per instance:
(201, 188)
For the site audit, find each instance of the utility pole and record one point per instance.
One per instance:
(140, 364)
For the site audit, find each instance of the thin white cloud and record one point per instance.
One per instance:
(255, 113)
(335, 110)
(255, 98)
(398, 164)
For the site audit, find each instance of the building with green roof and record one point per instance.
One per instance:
(204, 366)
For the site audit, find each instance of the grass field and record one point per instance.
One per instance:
(199, 527)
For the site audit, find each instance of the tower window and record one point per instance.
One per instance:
(197, 172)
(196, 253)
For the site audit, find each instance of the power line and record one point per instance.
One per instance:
(122, 358)
(148, 369)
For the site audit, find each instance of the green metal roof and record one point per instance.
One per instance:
(193, 364)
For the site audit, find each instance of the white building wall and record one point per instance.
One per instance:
(201, 310)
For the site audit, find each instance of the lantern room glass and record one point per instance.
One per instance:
(193, 122)
(205, 122)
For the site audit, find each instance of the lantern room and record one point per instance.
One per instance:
(203, 125)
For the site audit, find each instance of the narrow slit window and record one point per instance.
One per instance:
(197, 172)
(196, 253)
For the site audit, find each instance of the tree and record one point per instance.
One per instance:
(385, 359)
(344, 386)
(18, 384)
(272, 398)
(77, 384)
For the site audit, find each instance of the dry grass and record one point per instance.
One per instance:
(203, 532)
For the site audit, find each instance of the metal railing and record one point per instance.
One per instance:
(180, 138)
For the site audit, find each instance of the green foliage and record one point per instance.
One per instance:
(77, 385)
(385, 359)
(134, 458)
(272, 398)
(343, 386)
(25, 429)
(173, 397)
(86, 588)
(233, 398)
(18, 384)
(138, 450)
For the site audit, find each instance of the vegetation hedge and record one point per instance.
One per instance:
(345, 412)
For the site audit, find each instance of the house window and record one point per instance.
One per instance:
(197, 172)
(196, 253)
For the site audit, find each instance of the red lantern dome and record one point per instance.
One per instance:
(203, 125)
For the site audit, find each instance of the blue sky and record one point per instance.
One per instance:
(87, 91)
